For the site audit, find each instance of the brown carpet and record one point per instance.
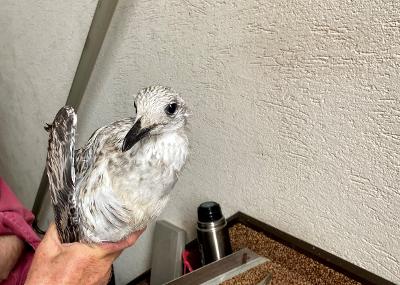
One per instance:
(287, 265)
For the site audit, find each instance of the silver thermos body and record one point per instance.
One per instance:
(212, 233)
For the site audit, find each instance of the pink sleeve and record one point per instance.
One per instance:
(15, 219)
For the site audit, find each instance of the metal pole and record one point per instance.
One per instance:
(94, 40)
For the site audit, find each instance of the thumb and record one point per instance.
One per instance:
(113, 248)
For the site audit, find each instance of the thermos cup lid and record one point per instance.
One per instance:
(209, 212)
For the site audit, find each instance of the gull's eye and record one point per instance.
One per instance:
(171, 109)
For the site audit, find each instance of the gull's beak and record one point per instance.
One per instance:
(134, 135)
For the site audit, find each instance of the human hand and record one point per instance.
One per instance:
(11, 248)
(74, 263)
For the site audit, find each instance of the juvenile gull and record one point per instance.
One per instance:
(121, 179)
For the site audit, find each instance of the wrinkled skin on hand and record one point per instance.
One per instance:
(11, 248)
(74, 263)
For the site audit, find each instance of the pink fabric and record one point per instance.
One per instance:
(16, 220)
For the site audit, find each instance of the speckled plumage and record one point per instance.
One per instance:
(117, 183)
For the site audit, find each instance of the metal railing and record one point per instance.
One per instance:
(94, 40)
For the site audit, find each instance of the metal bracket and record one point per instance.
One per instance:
(94, 40)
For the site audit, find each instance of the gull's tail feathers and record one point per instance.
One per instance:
(61, 174)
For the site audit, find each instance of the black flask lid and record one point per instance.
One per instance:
(209, 212)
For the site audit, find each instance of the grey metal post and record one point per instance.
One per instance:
(94, 40)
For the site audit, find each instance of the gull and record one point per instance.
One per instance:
(120, 180)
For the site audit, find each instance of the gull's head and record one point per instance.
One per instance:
(159, 110)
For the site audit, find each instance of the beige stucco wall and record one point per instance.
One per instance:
(296, 113)
(40, 45)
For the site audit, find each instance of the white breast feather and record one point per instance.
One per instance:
(138, 194)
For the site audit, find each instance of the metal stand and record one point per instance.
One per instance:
(94, 40)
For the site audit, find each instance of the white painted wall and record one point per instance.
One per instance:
(296, 114)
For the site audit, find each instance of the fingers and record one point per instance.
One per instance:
(117, 247)
(51, 244)
(51, 233)
(131, 239)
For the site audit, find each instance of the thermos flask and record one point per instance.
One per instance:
(212, 233)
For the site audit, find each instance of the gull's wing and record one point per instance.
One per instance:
(111, 134)
(61, 174)
(84, 157)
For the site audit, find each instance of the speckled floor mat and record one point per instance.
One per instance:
(287, 265)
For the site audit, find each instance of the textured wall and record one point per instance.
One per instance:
(296, 113)
(40, 45)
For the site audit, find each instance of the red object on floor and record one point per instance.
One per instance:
(15, 219)
(186, 264)
(191, 257)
